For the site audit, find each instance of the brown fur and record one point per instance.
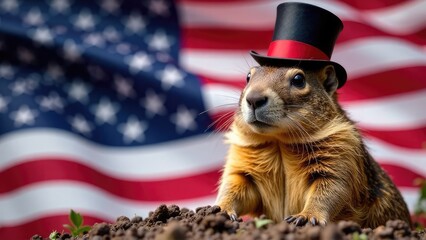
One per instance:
(309, 162)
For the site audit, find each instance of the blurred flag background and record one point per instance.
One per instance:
(108, 107)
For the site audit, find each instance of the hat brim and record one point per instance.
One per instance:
(311, 63)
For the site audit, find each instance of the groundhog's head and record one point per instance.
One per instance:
(293, 102)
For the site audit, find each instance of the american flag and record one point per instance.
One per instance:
(108, 107)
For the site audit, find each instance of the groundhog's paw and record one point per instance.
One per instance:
(303, 219)
(230, 211)
(232, 215)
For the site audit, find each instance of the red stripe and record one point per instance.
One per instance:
(401, 176)
(354, 30)
(215, 1)
(242, 39)
(43, 226)
(51, 169)
(411, 138)
(46, 224)
(360, 4)
(373, 4)
(218, 38)
(392, 82)
(237, 83)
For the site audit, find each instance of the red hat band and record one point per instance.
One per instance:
(295, 50)
(304, 35)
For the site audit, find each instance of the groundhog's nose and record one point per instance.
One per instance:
(256, 99)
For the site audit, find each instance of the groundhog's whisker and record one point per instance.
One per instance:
(225, 124)
(293, 136)
(236, 97)
(305, 120)
(304, 136)
(309, 122)
(226, 105)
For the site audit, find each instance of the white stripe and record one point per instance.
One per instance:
(410, 195)
(401, 19)
(193, 14)
(359, 57)
(403, 111)
(249, 15)
(220, 98)
(50, 198)
(218, 64)
(365, 56)
(405, 18)
(161, 161)
(412, 159)
(87, 200)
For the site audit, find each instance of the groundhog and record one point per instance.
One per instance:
(296, 156)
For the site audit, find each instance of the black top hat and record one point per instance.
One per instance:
(304, 35)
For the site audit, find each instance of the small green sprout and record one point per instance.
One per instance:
(261, 222)
(420, 207)
(54, 235)
(76, 228)
(421, 202)
(357, 236)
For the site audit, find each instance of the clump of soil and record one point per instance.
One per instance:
(174, 223)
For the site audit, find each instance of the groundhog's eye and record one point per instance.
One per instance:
(298, 81)
(248, 76)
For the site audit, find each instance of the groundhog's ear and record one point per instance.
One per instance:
(330, 82)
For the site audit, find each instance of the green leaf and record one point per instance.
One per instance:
(84, 229)
(76, 218)
(420, 206)
(69, 227)
(261, 222)
(76, 228)
(75, 232)
(355, 236)
(358, 236)
(423, 191)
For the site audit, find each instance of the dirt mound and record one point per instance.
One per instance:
(173, 223)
